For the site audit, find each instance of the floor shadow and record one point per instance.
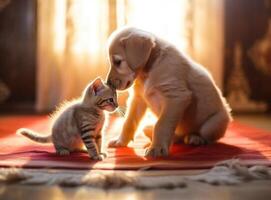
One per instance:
(217, 151)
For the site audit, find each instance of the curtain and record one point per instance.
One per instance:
(72, 38)
(168, 19)
(208, 36)
(71, 48)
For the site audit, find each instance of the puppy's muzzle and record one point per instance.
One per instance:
(118, 84)
(114, 83)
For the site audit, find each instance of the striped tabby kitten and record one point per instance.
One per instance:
(80, 122)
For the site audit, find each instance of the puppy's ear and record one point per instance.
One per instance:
(137, 48)
(97, 85)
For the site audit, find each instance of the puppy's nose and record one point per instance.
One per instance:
(110, 83)
(114, 83)
(117, 83)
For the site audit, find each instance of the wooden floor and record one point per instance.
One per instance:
(259, 121)
(252, 190)
(256, 190)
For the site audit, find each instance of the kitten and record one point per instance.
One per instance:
(80, 122)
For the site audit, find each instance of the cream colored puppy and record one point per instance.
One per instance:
(179, 91)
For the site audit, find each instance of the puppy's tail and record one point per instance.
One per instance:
(34, 136)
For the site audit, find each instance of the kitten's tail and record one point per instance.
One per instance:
(34, 136)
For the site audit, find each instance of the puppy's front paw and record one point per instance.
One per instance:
(195, 140)
(97, 157)
(156, 151)
(117, 143)
(104, 155)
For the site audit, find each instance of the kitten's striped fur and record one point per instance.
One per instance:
(80, 122)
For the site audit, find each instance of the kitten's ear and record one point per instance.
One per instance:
(97, 85)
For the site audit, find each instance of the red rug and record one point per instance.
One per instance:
(252, 146)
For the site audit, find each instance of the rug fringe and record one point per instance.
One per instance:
(228, 172)
(231, 172)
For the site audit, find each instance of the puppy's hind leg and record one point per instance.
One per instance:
(215, 127)
(194, 139)
(148, 131)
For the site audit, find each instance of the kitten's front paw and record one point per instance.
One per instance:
(117, 143)
(156, 151)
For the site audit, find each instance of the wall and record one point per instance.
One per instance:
(18, 51)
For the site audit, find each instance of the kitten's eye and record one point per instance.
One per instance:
(117, 62)
(110, 100)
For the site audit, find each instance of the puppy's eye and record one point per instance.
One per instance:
(117, 62)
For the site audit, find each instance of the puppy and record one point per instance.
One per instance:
(178, 90)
